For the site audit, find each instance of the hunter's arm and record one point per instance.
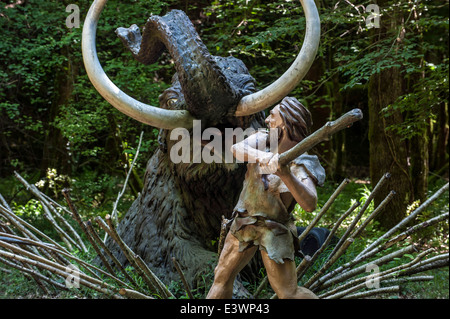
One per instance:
(252, 149)
(302, 188)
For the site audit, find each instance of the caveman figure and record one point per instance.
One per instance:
(262, 218)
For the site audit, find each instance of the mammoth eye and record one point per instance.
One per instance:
(171, 102)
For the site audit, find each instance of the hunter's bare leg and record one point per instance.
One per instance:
(231, 262)
(283, 279)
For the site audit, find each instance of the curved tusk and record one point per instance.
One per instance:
(275, 92)
(154, 116)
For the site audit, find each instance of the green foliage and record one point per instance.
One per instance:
(31, 211)
(412, 47)
(44, 89)
(14, 284)
(421, 104)
(265, 35)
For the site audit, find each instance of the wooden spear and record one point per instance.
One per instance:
(323, 210)
(322, 134)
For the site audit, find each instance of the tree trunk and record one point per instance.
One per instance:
(419, 165)
(388, 152)
(442, 137)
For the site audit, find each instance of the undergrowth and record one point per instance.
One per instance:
(13, 284)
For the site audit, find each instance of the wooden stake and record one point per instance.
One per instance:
(410, 231)
(25, 228)
(32, 272)
(406, 220)
(366, 204)
(183, 279)
(54, 267)
(114, 211)
(77, 217)
(149, 278)
(324, 209)
(329, 263)
(62, 234)
(375, 212)
(325, 280)
(67, 254)
(361, 283)
(110, 254)
(327, 241)
(132, 294)
(343, 276)
(385, 290)
(47, 208)
(438, 261)
(159, 285)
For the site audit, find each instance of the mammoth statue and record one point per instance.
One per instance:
(179, 211)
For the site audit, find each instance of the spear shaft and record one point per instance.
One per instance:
(322, 134)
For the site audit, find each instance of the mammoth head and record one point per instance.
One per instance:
(213, 89)
(210, 86)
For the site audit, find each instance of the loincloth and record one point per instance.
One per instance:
(278, 240)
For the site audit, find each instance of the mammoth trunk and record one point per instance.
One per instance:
(207, 91)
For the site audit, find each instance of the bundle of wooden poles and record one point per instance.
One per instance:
(351, 279)
(50, 264)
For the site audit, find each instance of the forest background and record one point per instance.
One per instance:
(57, 131)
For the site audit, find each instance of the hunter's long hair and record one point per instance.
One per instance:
(297, 119)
